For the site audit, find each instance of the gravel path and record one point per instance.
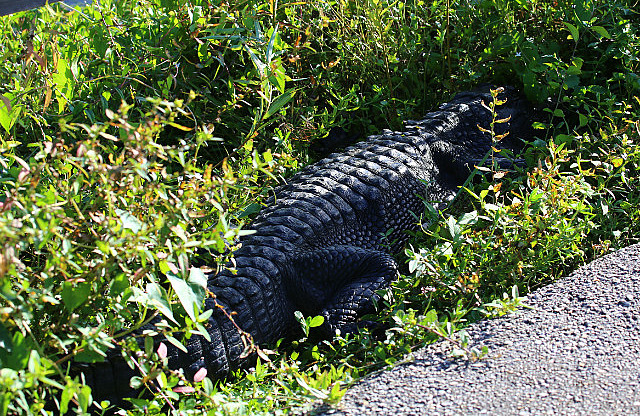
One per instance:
(576, 353)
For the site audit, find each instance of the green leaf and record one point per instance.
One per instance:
(100, 43)
(313, 391)
(89, 356)
(316, 321)
(67, 395)
(336, 393)
(135, 382)
(278, 76)
(63, 79)
(583, 10)
(251, 209)
(164, 266)
(180, 233)
(129, 221)
(564, 138)
(176, 343)
(583, 120)
(198, 281)
(432, 316)
(260, 66)
(103, 247)
(5, 112)
(191, 293)
(75, 295)
(280, 102)
(8, 113)
(574, 31)
(473, 194)
(19, 356)
(535, 195)
(204, 316)
(202, 330)
(454, 228)
(601, 31)
(158, 298)
(413, 265)
(270, 53)
(469, 218)
(5, 338)
(148, 346)
(207, 386)
(84, 397)
(118, 284)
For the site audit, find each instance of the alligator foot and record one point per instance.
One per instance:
(341, 284)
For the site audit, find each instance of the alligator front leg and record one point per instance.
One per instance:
(340, 283)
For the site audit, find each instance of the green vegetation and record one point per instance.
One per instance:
(138, 137)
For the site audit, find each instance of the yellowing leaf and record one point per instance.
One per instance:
(180, 127)
(6, 102)
(47, 97)
(499, 175)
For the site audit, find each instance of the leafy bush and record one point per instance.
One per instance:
(531, 229)
(137, 137)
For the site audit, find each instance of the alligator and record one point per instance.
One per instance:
(324, 243)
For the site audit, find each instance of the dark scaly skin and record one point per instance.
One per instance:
(320, 247)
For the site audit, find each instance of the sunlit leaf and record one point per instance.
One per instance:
(316, 321)
(601, 31)
(454, 228)
(191, 293)
(74, 295)
(280, 102)
(8, 113)
(129, 221)
(573, 30)
(157, 297)
(176, 343)
(63, 80)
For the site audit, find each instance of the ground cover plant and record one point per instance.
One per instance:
(139, 137)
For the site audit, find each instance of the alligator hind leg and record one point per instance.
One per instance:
(351, 302)
(340, 284)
